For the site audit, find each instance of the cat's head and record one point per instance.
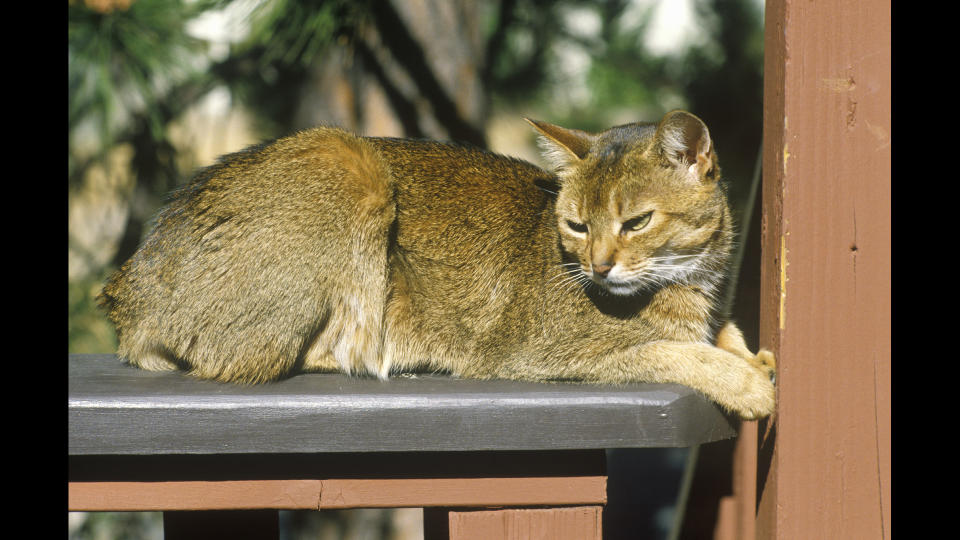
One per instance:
(640, 205)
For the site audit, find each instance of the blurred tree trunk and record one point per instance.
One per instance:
(412, 69)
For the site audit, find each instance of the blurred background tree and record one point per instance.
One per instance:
(158, 88)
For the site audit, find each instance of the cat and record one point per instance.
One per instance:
(327, 251)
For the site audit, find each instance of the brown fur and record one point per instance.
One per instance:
(327, 251)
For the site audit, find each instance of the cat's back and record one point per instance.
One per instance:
(461, 202)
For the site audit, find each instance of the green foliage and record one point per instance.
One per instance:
(516, 54)
(625, 75)
(116, 526)
(722, 80)
(88, 330)
(294, 32)
(120, 61)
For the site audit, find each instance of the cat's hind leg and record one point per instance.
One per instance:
(351, 337)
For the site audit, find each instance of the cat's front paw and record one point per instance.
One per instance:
(758, 401)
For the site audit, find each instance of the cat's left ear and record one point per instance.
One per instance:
(563, 148)
(683, 139)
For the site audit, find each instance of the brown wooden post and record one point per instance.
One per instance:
(823, 462)
(744, 504)
(575, 523)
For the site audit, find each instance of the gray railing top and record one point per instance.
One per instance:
(118, 409)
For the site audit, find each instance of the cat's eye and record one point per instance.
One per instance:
(637, 223)
(577, 227)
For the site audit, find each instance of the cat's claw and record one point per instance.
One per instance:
(769, 362)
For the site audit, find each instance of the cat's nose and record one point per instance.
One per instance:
(602, 269)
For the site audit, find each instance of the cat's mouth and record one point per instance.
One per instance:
(621, 289)
(616, 285)
(654, 273)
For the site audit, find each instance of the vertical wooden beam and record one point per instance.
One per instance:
(823, 466)
(745, 481)
(573, 523)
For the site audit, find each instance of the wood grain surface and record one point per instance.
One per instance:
(335, 493)
(576, 523)
(328, 481)
(823, 463)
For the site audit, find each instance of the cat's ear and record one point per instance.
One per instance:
(684, 141)
(562, 147)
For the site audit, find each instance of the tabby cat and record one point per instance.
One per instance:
(326, 251)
